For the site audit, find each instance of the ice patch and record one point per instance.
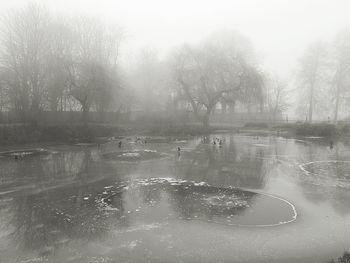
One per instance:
(144, 227)
(41, 259)
(150, 151)
(183, 141)
(261, 145)
(132, 244)
(331, 172)
(109, 208)
(226, 203)
(131, 154)
(85, 144)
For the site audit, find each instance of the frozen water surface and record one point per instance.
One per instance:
(286, 202)
(335, 171)
(189, 200)
(134, 156)
(20, 153)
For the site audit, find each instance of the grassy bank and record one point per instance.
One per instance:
(308, 129)
(186, 130)
(326, 130)
(300, 129)
(22, 134)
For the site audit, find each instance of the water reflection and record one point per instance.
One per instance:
(324, 174)
(134, 155)
(74, 195)
(231, 163)
(156, 200)
(48, 220)
(50, 200)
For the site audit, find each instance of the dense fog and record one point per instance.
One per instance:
(174, 131)
(53, 60)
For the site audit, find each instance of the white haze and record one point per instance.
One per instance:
(279, 29)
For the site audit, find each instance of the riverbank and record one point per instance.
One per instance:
(325, 130)
(26, 134)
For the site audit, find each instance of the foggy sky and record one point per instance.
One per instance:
(279, 29)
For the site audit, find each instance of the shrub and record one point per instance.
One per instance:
(319, 129)
(343, 259)
(261, 125)
(345, 128)
(284, 126)
(13, 134)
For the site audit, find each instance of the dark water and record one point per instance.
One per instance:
(245, 198)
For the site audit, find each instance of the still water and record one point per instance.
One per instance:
(242, 199)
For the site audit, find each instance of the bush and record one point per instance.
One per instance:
(260, 125)
(345, 128)
(17, 134)
(284, 126)
(343, 259)
(179, 130)
(319, 129)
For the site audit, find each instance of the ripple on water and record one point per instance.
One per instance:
(134, 156)
(163, 199)
(24, 152)
(330, 172)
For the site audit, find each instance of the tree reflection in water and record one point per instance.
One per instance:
(233, 163)
(53, 200)
(74, 195)
(157, 200)
(325, 175)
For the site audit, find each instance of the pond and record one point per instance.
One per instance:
(244, 198)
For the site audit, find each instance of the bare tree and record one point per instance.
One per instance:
(58, 57)
(149, 79)
(252, 92)
(310, 76)
(342, 69)
(93, 65)
(277, 97)
(108, 81)
(3, 91)
(25, 43)
(209, 72)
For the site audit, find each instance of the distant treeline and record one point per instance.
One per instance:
(56, 63)
(323, 79)
(130, 118)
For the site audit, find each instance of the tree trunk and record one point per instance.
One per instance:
(274, 116)
(336, 103)
(34, 112)
(206, 116)
(223, 107)
(232, 107)
(310, 109)
(261, 107)
(311, 103)
(205, 120)
(85, 116)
